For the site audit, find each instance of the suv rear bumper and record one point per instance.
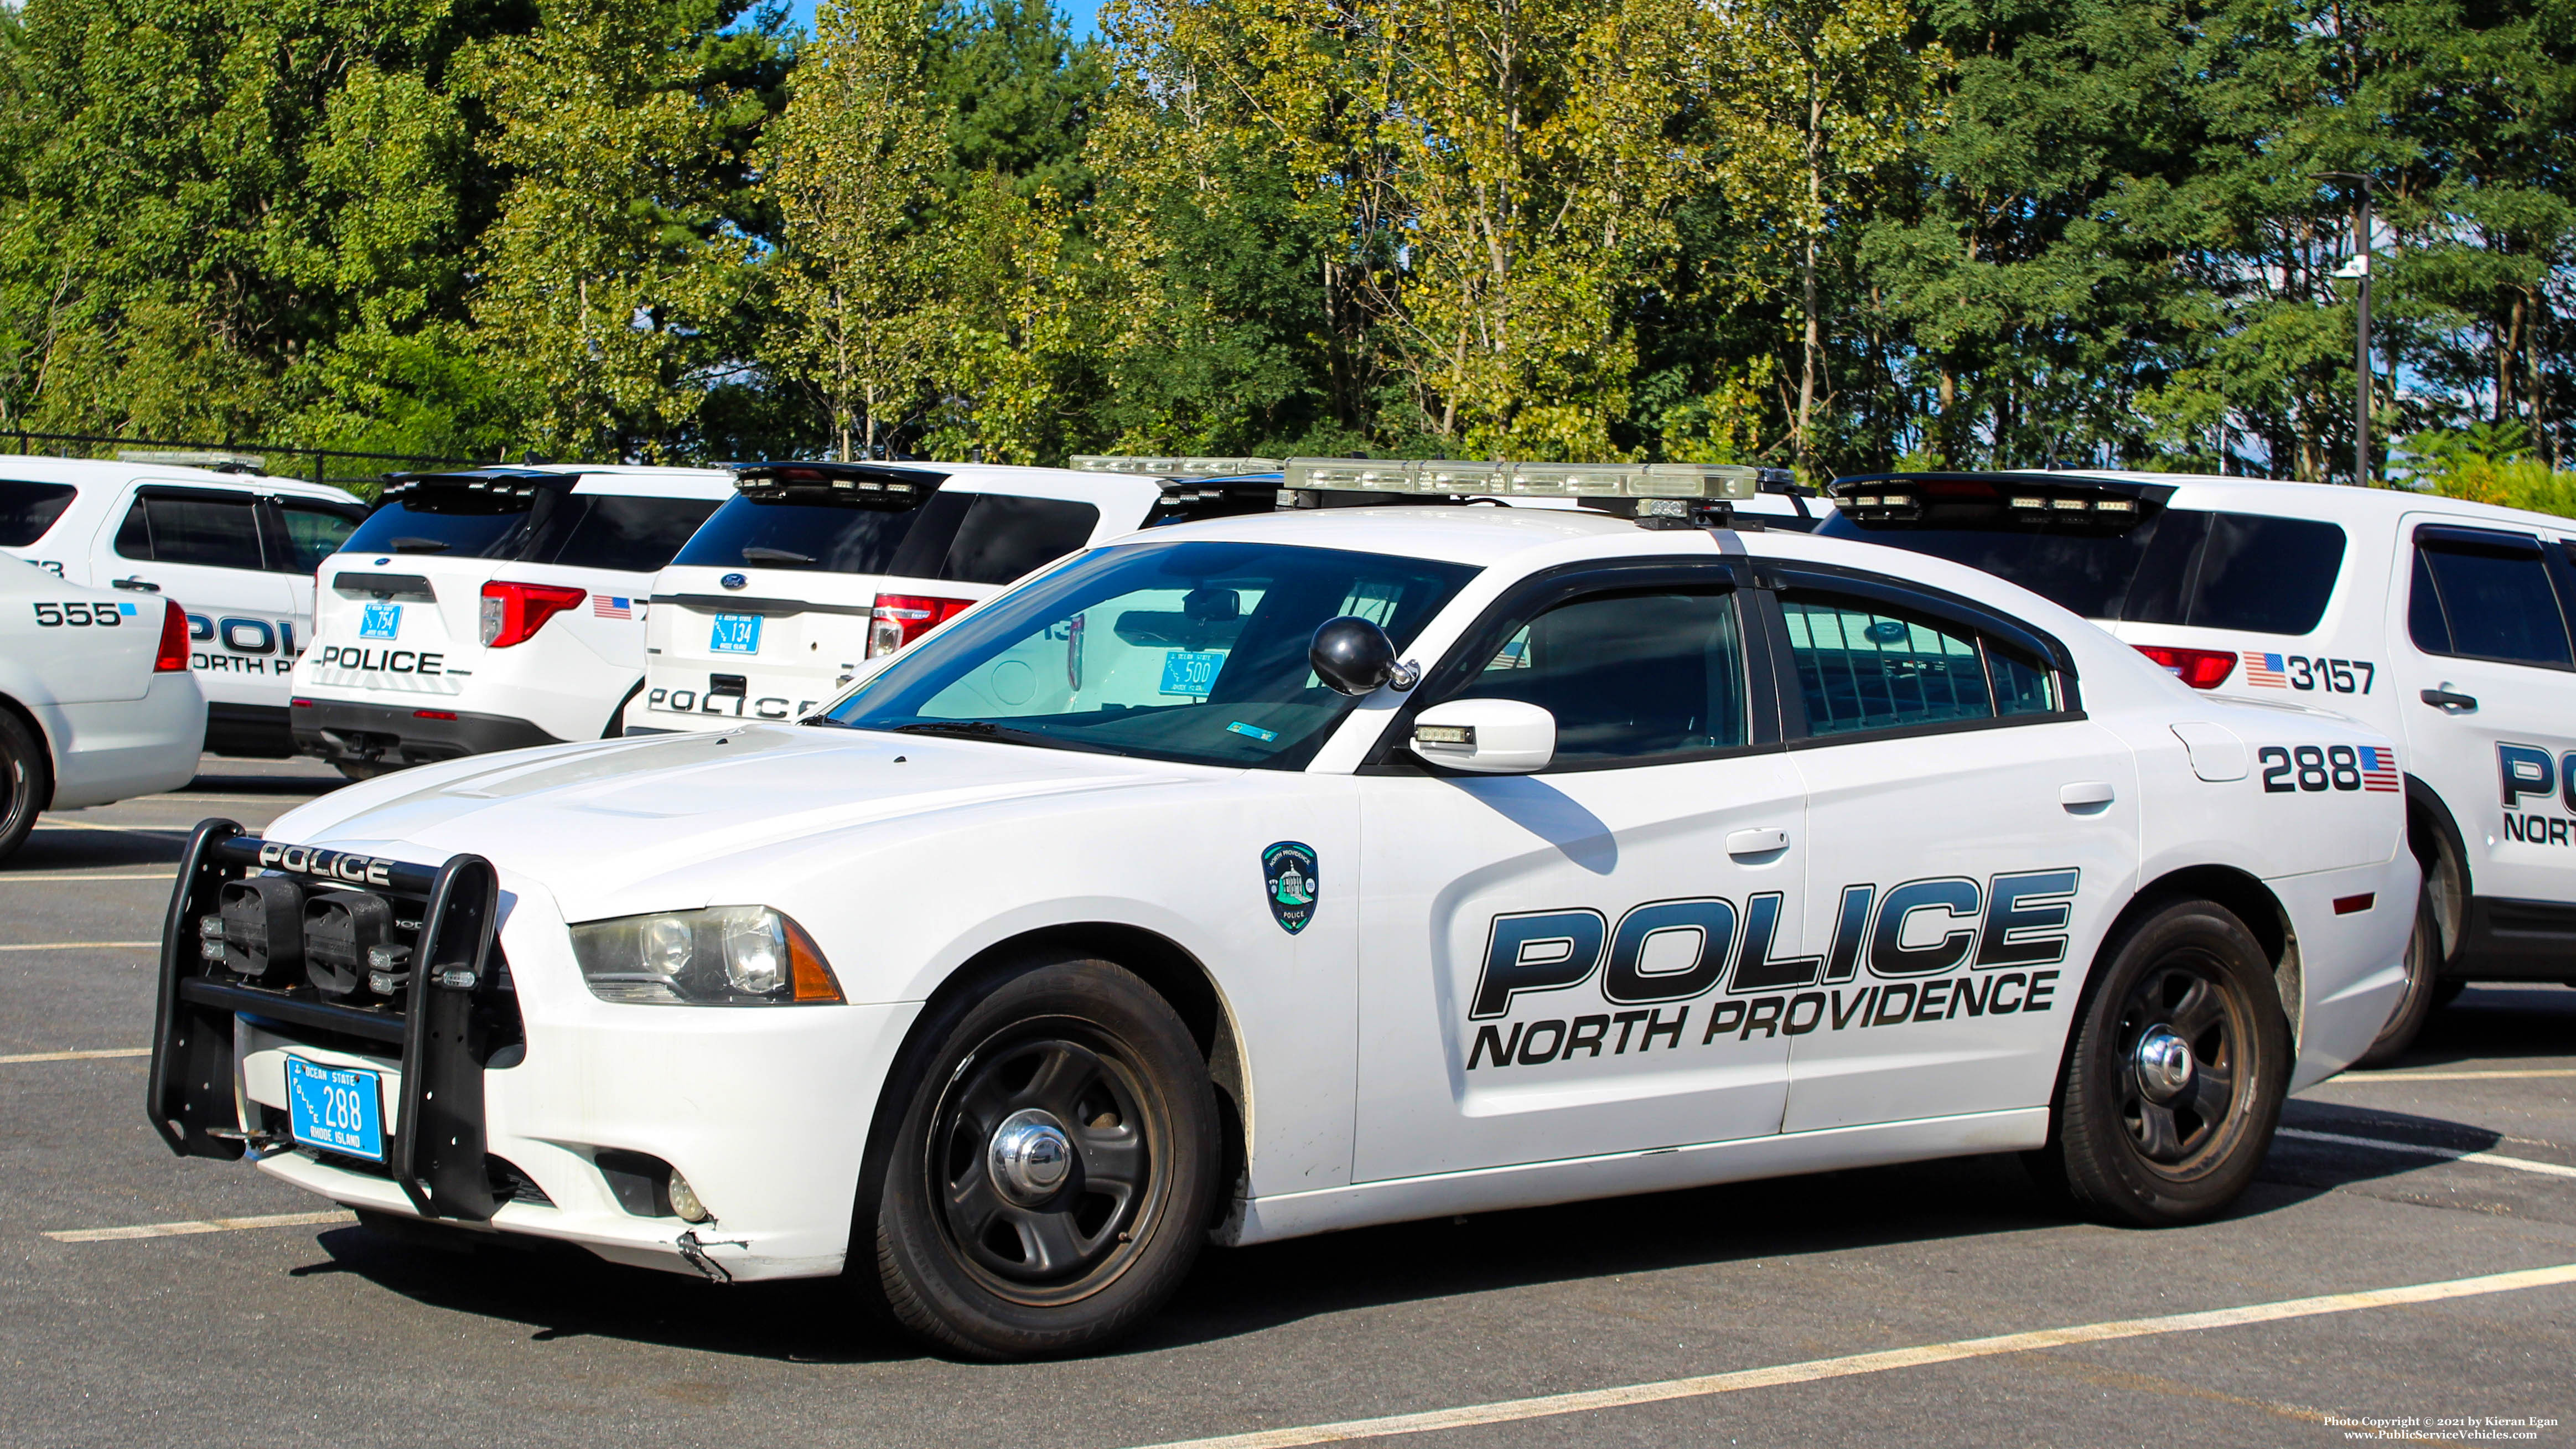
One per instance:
(407, 735)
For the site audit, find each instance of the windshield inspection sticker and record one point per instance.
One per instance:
(1267, 737)
(1190, 672)
(1288, 874)
(380, 621)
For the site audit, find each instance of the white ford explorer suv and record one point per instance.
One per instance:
(236, 550)
(1284, 873)
(2444, 624)
(491, 610)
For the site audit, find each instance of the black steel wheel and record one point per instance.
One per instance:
(26, 782)
(1052, 1174)
(2176, 1074)
(2423, 989)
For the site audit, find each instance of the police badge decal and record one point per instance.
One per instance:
(1288, 874)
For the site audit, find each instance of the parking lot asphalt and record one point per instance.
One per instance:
(1846, 1308)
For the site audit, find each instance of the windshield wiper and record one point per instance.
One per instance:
(417, 545)
(984, 729)
(762, 554)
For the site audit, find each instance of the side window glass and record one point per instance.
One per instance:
(1004, 536)
(134, 535)
(2496, 598)
(1863, 665)
(1630, 677)
(209, 530)
(2424, 622)
(312, 535)
(2266, 575)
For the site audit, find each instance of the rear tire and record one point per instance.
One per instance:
(26, 782)
(2175, 1078)
(1052, 1174)
(2423, 988)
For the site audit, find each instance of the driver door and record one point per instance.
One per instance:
(1559, 964)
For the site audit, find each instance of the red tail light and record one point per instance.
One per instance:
(901, 618)
(173, 655)
(512, 612)
(2199, 668)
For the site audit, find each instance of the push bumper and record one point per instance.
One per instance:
(397, 736)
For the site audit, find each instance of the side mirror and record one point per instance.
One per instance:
(1354, 656)
(1487, 736)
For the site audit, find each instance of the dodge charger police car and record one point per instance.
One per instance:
(1265, 876)
(2442, 622)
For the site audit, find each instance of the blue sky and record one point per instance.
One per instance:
(1083, 13)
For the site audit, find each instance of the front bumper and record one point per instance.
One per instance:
(764, 1110)
(402, 735)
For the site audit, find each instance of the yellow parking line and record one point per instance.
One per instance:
(208, 1225)
(1514, 1410)
(2454, 1154)
(2348, 1079)
(90, 1056)
(77, 945)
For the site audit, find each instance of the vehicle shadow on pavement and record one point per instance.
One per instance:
(2496, 1024)
(58, 847)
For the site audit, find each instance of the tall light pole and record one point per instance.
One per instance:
(2359, 269)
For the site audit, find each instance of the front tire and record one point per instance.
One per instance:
(26, 782)
(2423, 989)
(2176, 1075)
(1051, 1178)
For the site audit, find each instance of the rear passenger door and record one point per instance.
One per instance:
(202, 547)
(1970, 836)
(2489, 700)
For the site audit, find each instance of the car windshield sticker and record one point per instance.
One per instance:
(1288, 873)
(735, 634)
(1190, 671)
(1254, 732)
(380, 621)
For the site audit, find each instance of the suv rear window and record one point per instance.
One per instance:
(422, 526)
(613, 531)
(974, 538)
(835, 538)
(2179, 566)
(28, 509)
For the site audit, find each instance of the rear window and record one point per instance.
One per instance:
(426, 528)
(2180, 566)
(775, 535)
(973, 538)
(28, 509)
(613, 531)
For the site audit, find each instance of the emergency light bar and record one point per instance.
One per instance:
(1173, 467)
(1451, 477)
(496, 483)
(834, 482)
(1986, 500)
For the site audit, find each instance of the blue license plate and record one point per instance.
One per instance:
(380, 621)
(338, 1109)
(735, 634)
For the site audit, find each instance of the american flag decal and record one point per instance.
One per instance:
(2265, 669)
(611, 606)
(2378, 768)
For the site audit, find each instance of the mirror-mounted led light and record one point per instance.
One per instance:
(1450, 736)
(721, 956)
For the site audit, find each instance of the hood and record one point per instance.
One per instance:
(628, 820)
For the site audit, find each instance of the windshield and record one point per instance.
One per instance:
(1170, 651)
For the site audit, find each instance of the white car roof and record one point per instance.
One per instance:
(638, 482)
(2292, 499)
(36, 468)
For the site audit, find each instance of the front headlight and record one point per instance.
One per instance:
(721, 956)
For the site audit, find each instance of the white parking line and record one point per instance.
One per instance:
(2349, 1080)
(44, 824)
(89, 1056)
(76, 945)
(52, 879)
(208, 1225)
(1513, 1410)
(2455, 1154)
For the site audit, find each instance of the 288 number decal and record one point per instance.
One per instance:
(57, 616)
(2287, 771)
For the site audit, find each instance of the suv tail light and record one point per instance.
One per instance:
(901, 618)
(512, 612)
(173, 654)
(2199, 668)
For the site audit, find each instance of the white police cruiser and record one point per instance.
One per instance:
(1276, 874)
(2444, 623)
(97, 702)
(491, 609)
(235, 548)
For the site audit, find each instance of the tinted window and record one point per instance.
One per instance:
(613, 531)
(2087, 571)
(2263, 575)
(1628, 676)
(2493, 599)
(1868, 666)
(852, 540)
(312, 534)
(28, 509)
(1183, 651)
(208, 529)
(1002, 537)
(426, 528)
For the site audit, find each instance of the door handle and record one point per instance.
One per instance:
(1757, 842)
(2085, 794)
(142, 585)
(2447, 699)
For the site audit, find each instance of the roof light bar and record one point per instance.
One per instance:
(1450, 477)
(1182, 467)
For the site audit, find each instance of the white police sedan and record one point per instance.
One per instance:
(1286, 873)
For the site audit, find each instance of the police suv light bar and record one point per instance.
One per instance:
(837, 482)
(497, 482)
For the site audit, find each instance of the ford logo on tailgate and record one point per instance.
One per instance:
(734, 581)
